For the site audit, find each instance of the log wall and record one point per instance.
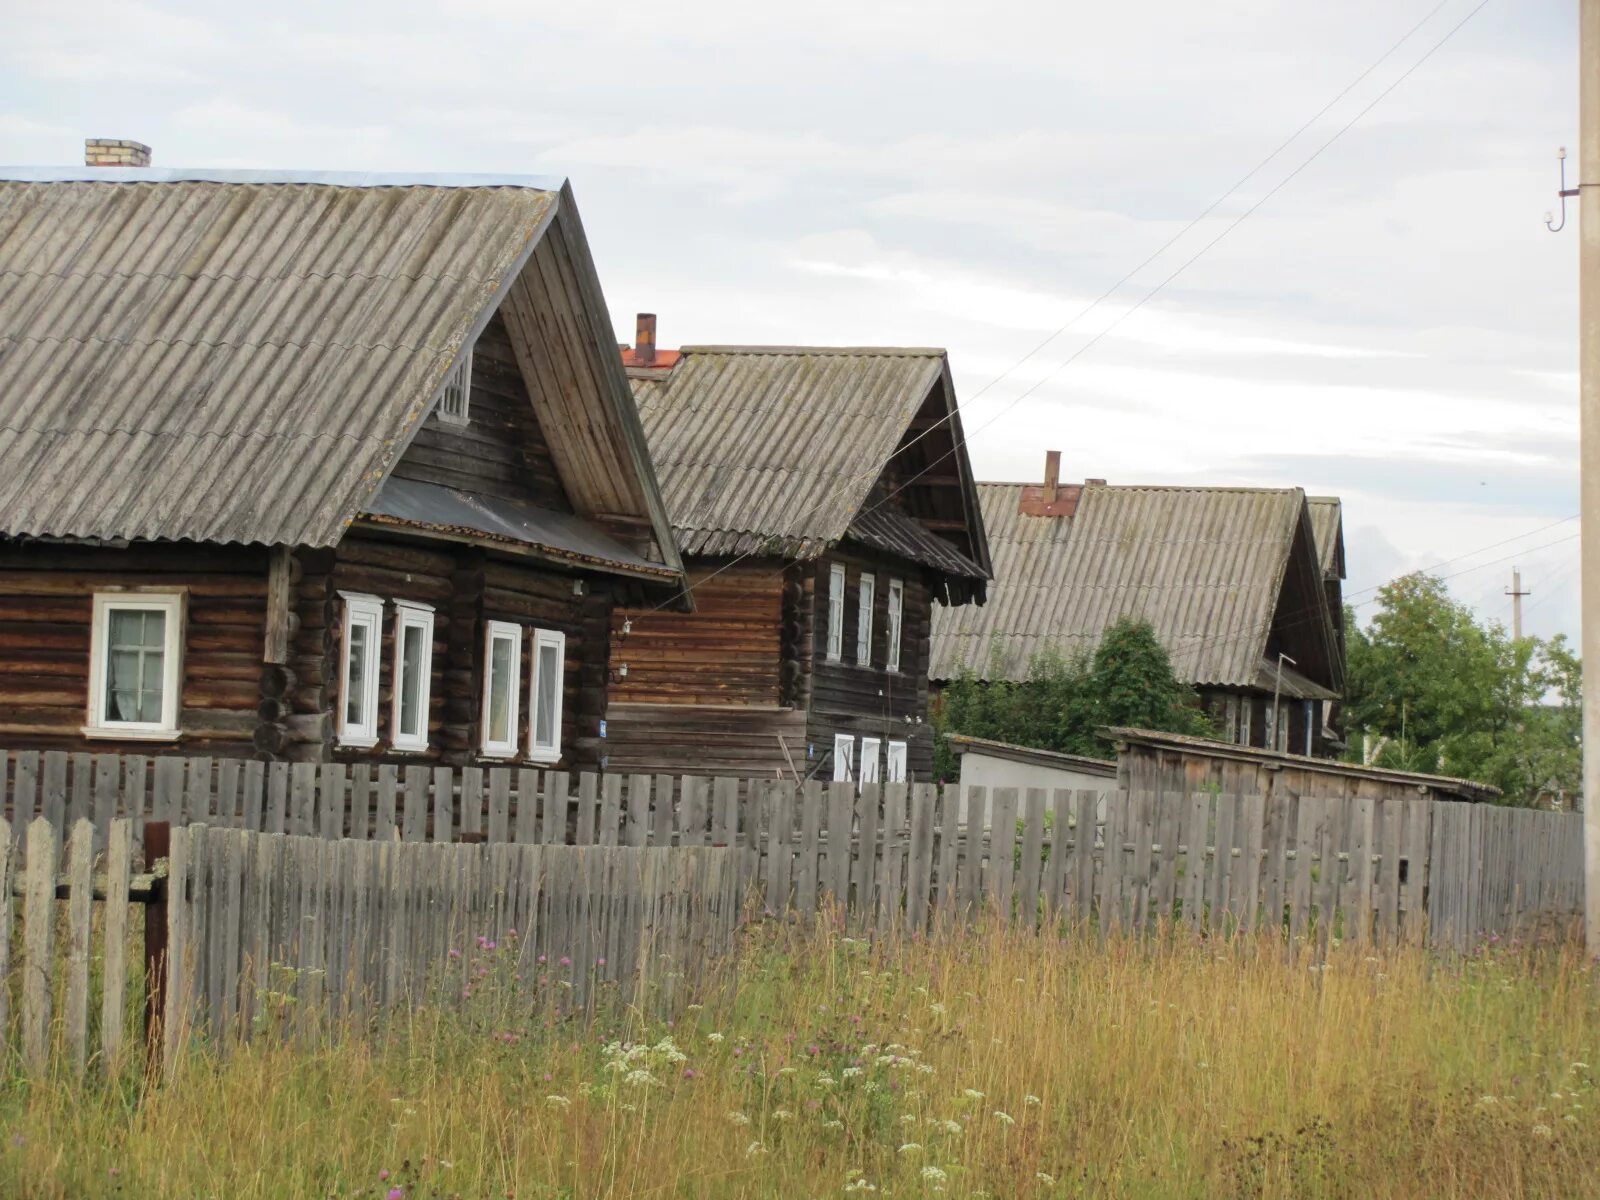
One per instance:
(46, 611)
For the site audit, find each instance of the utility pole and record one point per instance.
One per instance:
(1516, 593)
(1589, 439)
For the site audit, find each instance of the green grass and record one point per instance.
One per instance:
(991, 1063)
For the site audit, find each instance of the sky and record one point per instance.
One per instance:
(1390, 322)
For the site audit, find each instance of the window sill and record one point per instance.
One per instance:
(412, 749)
(113, 733)
(500, 755)
(356, 743)
(544, 757)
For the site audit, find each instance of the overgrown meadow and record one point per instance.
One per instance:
(990, 1063)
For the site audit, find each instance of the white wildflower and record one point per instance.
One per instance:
(972, 1094)
(848, 1073)
(911, 1148)
(1543, 1131)
(753, 1149)
(950, 1126)
(1047, 1180)
(713, 1038)
(639, 1078)
(833, 1123)
(738, 1118)
(934, 1174)
(925, 1068)
(860, 1185)
(1580, 1066)
(907, 1119)
(1030, 1099)
(1485, 1099)
(782, 1071)
(782, 1114)
(826, 1081)
(557, 1102)
(936, 1009)
(1004, 1118)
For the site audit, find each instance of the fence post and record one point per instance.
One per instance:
(157, 847)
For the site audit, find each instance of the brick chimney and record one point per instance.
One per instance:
(115, 152)
(644, 340)
(1053, 499)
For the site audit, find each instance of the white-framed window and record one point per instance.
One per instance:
(897, 762)
(456, 401)
(1247, 707)
(544, 695)
(864, 621)
(358, 669)
(897, 604)
(835, 612)
(844, 749)
(413, 674)
(869, 759)
(135, 651)
(502, 675)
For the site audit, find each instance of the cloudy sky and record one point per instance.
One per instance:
(1393, 324)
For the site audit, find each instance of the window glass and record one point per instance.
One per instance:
(844, 748)
(897, 595)
(500, 690)
(836, 611)
(864, 623)
(137, 665)
(897, 762)
(544, 731)
(413, 667)
(869, 759)
(355, 692)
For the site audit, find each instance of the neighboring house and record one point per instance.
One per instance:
(1148, 761)
(825, 507)
(312, 467)
(1230, 579)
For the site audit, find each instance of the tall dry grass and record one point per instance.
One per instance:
(992, 1063)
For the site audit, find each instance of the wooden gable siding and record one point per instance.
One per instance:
(501, 451)
(689, 739)
(466, 588)
(870, 701)
(46, 606)
(728, 651)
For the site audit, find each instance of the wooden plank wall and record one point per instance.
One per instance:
(1368, 869)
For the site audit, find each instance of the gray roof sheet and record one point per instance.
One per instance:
(884, 527)
(1327, 527)
(231, 357)
(1202, 565)
(774, 449)
(433, 507)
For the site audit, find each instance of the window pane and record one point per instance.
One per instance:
(355, 698)
(413, 662)
(501, 676)
(544, 733)
(135, 664)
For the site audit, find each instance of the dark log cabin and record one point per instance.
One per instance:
(313, 467)
(825, 507)
(1240, 584)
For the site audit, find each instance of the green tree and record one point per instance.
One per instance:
(1062, 701)
(1434, 690)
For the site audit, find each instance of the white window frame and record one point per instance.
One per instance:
(455, 401)
(835, 612)
(844, 750)
(171, 605)
(866, 596)
(897, 763)
(495, 631)
(360, 609)
(552, 752)
(1247, 708)
(411, 614)
(871, 770)
(897, 604)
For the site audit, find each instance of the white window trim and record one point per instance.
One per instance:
(897, 604)
(494, 631)
(411, 614)
(99, 725)
(536, 752)
(897, 755)
(835, 612)
(459, 381)
(871, 771)
(844, 749)
(359, 606)
(866, 597)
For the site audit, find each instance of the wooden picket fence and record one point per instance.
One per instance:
(897, 855)
(306, 937)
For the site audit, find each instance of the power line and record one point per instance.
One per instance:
(958, 443)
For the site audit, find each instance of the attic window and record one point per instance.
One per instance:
(455, 402)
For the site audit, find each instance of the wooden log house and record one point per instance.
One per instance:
(1242, 586)
(315, 467)
(825, 507)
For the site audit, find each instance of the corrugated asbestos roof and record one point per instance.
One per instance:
(886, 528)
(231, 359)
(1327, 527)
(774, 449)
(1202, 565)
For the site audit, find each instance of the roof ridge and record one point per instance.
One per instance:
(1154, 487)
(861, 351)
(228, 175)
